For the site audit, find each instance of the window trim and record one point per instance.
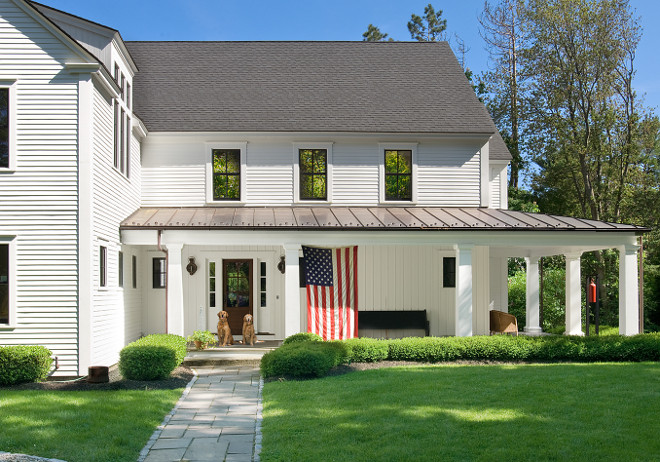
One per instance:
(11, 115)
(210, 147)
(328, 171)
(11, 241)
(382, 147)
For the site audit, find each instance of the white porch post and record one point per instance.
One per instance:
(291, 290)
(628, 291)
(573, 295)
(464, 290)
(174, 290)
(532, 324)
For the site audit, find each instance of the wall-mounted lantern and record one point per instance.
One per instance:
(192, 266)
(281, 266)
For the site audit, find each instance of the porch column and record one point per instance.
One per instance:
(463, 321)
(573, 295)
(532, 325)
(291, 290)
(628, 291)
(174, 290)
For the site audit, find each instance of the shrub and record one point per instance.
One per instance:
(304, 359)
(302, 337)
(24, 363)
(153, 357)
(367, 350)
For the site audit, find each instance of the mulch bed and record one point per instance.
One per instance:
(178, 379)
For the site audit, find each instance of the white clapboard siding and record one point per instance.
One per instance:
(497, 175)
(174, 169)
(115, 197)
(38, 201)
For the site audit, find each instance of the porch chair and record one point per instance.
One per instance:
(503, 323)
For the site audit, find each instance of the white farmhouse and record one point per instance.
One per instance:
(145, 186)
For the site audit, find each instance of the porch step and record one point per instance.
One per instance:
(235, 355)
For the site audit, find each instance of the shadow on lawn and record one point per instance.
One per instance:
(512, 412)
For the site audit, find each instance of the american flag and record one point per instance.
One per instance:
(331, 280)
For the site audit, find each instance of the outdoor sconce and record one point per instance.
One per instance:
(192, 266)
(281, 265)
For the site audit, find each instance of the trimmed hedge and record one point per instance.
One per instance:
(153, 357)
(645, 347)
(24, 363)
(367, 350)
(302, 337)
(304, 359)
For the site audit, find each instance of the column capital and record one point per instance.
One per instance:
(576, 255)
(291, 247)
(532, 259)
(629, 249)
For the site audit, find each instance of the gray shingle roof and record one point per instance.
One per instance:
(362, 218)
(395, 87)
(498, 149)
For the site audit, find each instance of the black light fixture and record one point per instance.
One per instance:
(192, 266)
(281, 265)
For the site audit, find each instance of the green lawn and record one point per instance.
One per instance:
(552, 412)
(82, 426)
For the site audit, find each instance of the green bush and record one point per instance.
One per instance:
(304, 359)
(24, 363)
(554, 296)
(153, 357)
(302, 337)
(367, 350)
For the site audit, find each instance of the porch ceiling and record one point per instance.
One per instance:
(362, 218)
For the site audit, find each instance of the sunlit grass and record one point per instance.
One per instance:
(82, 426)
(605, 412)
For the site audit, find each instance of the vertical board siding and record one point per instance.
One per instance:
(174, 170)
(38, 201)
(115, 317)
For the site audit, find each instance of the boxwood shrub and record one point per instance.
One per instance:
(24, 363)
(302, 337)
(304, 359)
(153, 357)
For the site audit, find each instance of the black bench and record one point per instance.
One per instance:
(393, 320)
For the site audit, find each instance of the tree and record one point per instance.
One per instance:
(503, 33)
(373, 34)
(429, 29)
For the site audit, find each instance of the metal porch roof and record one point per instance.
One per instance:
(361, 218)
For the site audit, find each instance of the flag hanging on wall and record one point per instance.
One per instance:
(331, 281)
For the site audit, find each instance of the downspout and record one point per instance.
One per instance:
(167, 275)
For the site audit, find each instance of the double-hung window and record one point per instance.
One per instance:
(4, 127)
(225, 172)
(312, 172)
(398, 172)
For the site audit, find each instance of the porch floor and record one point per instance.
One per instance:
(237, 354)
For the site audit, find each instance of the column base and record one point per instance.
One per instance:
(577, 334)
(533, 330)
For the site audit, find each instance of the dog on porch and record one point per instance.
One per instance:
(224, 332)
(248, 330)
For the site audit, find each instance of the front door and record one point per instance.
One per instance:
(237, 292)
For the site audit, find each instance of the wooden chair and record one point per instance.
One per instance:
(503, 323)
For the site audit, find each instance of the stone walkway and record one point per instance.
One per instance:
(218, 418)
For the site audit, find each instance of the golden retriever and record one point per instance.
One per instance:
(224, 332)
(248, 330)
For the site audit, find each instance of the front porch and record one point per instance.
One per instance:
(402, 263)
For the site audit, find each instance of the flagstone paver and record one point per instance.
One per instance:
(217, 419)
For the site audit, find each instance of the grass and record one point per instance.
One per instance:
(83, 426)
(552, 412)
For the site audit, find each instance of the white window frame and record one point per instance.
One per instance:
(296, 170)
(382, 147)
(11, 240)
(210, 146)
(12, 115)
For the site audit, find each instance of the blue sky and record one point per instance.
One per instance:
(326, 20)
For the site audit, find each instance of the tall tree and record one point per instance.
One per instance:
(373, 34)
(502, 30)
(431, 28)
